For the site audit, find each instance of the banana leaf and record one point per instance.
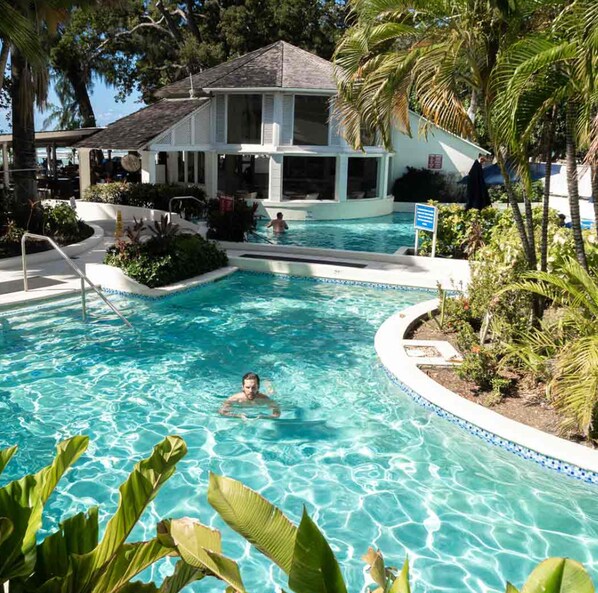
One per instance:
(314, 568)
(5, 456)
(256, 519)
(401, 583)
(559, 575)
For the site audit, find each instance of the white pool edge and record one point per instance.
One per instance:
(545, 449)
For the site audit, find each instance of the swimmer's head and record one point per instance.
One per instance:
(251, 385)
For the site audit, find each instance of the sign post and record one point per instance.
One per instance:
(426, 219)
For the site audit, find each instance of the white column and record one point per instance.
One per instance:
(340, 178)
(5, 164)
(277, 119)
(382, 182)
(211, 174)
(172, 167)
(148, 166)
(84, 169)
(275, 178)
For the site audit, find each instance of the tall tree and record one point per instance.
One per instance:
(440, 53)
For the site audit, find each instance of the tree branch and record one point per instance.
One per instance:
(174, 30)
(152, 24)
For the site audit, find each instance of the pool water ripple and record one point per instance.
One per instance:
(372, 467)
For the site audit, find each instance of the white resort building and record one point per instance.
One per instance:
(261, 126)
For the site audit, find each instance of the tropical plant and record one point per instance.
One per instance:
(74, 559)
(440, 55)
(565, 347)
(164, 230)
(554, 69)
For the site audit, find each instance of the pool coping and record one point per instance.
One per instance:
(549, 451)
(11, 263)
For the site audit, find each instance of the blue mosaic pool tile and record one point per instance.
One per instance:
(545, 461)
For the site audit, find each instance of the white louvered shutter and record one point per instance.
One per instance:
(220, 119)
(268, 119)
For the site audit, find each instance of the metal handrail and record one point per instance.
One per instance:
(262, 237)
(77, 271)
(182, 198)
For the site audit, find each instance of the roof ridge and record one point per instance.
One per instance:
(261, 50)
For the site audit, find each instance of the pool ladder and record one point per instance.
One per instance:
(75, 269)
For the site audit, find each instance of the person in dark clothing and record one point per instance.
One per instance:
(477, 192)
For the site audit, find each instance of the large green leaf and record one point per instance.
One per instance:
(6, 529)
(136, 493)
(314, 568)
(77, 535)
(257, 520)
(375, 561)
(401, 583)
(19, 502)
(511, 588)
(128, 562)
(5, 456)
(200, 547)
(559, 575)
(22, 501)
(67, 453)
(184, 574)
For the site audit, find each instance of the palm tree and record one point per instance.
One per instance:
(442, 54)
(555, 70)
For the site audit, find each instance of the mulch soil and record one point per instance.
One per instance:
(525, 403)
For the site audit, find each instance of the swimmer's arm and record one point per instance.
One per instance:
(227, 409)
(275, 409)
(269, 224)
(286, 226)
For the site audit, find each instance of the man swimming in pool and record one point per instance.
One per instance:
(250, 395)
(278, 224)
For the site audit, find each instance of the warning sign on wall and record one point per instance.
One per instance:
(434, 161)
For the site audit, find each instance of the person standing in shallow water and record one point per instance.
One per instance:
(278, 225)
(249, 395)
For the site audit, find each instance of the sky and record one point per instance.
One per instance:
(106, 109)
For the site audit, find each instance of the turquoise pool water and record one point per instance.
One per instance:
(372, 467)
(383, 234)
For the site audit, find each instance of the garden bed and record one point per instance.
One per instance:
(525, 403)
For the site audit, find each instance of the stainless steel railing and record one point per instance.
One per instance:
(75, 269)
(203, 204)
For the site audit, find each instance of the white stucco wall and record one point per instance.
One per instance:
(457, 154)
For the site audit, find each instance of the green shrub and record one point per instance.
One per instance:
(479, 365)
(421, 185)
(146, 195)
(499, 195)
(230, 226)
(458, 230)
(157, 262)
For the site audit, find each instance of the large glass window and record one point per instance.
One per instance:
(362, 181)
(244, 119)
(243, 175)
(308, 178)
(311, 120)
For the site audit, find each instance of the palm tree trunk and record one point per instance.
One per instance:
(77, 79)
(549, 128)
(572, 185)
(23, 131)
(530, 254)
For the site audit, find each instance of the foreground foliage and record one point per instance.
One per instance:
(146, 195)
(74, 559)
(166, 257)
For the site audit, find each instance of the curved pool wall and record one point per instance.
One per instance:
(373, 467)
(566, 457)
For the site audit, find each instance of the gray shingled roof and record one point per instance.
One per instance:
(280, 65)
(136, 130)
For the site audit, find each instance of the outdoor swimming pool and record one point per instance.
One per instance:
(372, 467)
(383, 234)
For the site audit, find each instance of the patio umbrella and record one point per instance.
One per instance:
(477, 192)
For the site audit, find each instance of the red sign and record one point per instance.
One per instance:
(434, 161)
(226, 204)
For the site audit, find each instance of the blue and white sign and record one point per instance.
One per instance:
(425, 217)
